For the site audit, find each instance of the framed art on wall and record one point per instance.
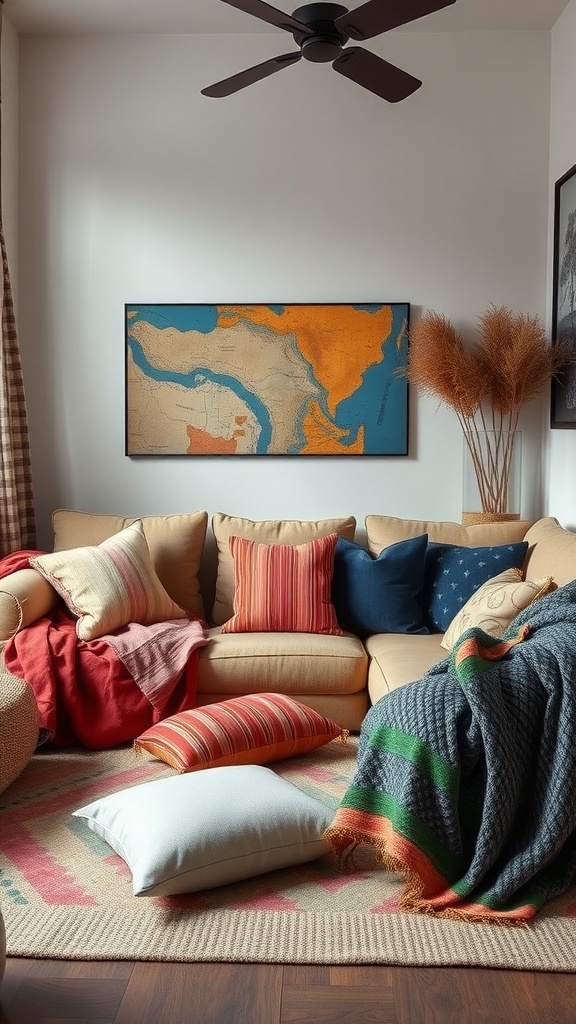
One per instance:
(563, 396)
(256, 379)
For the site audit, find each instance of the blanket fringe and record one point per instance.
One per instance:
(344, 842)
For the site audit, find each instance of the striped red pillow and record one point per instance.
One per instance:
(283, 587)
(254, 729)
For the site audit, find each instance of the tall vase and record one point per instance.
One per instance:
(492, 475)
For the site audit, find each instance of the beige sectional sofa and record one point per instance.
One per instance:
(339, 676)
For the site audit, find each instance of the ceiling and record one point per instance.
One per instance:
(73, 17)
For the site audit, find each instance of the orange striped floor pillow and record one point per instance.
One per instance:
(254, 729)
(283, 587)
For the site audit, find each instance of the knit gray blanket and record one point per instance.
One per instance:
(466, 780)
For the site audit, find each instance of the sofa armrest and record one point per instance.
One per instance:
(24, 596)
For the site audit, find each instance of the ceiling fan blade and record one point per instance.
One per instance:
(377, 16)
(265, 12)
(375, 74)
(229, 85)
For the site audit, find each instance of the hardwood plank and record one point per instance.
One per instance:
(83, 969)
(538, 996)
(306, 974)
(123, 992)
(203, 993)
(446, 995)
(39, 1000)
(338, 1005)
(377, 975)
(14, 975)
(16, 1018)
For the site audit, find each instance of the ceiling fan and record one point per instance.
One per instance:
(321, 31)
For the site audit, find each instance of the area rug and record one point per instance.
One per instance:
(65, 894)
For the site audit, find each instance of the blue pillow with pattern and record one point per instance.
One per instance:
(383, 594)
(452, 574)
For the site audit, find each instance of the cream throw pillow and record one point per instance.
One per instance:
(110, 585)
(175, 543)
(494, 605)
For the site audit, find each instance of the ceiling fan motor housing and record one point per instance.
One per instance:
(326, 42)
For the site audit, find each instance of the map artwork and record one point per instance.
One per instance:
(287, 379)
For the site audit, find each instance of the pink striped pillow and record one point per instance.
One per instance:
(283, 587)
(109, 585)
(255, 729)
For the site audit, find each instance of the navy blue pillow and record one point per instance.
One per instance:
(452, 574)
(383, 594)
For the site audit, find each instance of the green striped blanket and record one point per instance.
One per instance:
(466, 779)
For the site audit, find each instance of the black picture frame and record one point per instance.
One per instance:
(243, 379)
(563, 388)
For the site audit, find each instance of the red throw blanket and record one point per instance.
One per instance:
(92, 694)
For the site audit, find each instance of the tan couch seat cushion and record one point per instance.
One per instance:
(175, 543)
(272, 531)
(381, 531)
(397, 659)
(551, 552)
(292, 663)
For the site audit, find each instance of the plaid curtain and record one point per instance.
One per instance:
(17, 527)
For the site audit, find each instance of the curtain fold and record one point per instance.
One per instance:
(17, 524)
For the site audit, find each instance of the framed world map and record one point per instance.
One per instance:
(278, 379)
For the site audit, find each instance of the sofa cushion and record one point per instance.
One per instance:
(110, 584)
(283, 587)
(24, 596)
(496, 603)
(240, 821)
(381, 531)
(175, 543)
(292, 663)
(453, 573)
(273, 531)
(254, 729)
(551, 551)
(397, 659)
(381, 594)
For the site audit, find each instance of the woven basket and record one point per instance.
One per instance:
(18, 727)
(482, 518)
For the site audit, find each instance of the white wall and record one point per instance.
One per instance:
(135, 188)
(561, 468)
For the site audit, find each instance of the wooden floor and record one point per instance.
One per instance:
(62, 992)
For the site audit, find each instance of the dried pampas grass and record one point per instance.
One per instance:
(510, 364)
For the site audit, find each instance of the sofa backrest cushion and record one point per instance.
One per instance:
(381, 531)
(271, 531)
(175, 543)
(551, 551)
(109, 585)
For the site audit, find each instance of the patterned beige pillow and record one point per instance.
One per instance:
(270, 531)
(493, 606)
(175, 543)
(109, 585)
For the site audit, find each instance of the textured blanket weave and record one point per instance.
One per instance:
(466, 780)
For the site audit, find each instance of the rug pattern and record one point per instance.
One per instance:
(65, 893)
